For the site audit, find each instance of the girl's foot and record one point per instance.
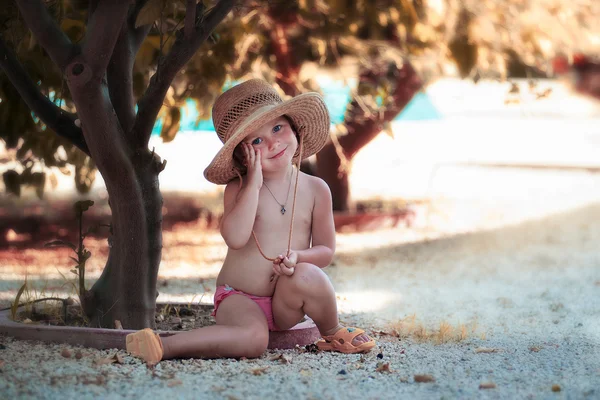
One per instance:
(146, 345)
(346, 340)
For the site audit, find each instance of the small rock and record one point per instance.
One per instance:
(78, 355)
(312, 348)
(174, 382)
(342, 372)
(118, 325)
(27, 321)
(160, 317)
(66, 353)
(176, 320)
(424, 378)
(487, 385)
(383, 367)
(2, 347)
(380, 356)
(556, 388)
(485, 350)
(259, 370)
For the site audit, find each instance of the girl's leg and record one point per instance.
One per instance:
(308, 291)
(241, 331)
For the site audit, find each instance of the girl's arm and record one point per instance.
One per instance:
(239, 212)
(323, 230)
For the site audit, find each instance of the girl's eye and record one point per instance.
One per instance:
(257, 141)
(277, 128)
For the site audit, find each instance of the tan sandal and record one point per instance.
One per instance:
(342, 341)
(146, 345)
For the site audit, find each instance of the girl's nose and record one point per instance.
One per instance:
(272, 143)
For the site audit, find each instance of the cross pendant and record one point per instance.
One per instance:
(283, 210)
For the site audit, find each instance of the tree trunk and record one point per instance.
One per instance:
(131, 258)
(361, 129)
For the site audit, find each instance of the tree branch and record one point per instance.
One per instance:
(102, 33)
(60, 121)
(190, 18)
(180, 54)
(47, 32)
(120, 70)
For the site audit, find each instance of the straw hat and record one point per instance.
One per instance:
(249, 105)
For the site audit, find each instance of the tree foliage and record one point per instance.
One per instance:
(469, 38)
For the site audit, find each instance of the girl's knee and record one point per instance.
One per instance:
(256, 340)
(307, 277)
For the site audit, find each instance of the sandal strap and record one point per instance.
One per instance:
(348, 333)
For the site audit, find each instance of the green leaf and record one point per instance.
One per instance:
(83, 205)
(171, 124)
(74, 259)
(60, 243)
(38, 180)
(149, 13)
(12, 182)
(15, 305)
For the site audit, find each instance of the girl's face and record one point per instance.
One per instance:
(277, 143)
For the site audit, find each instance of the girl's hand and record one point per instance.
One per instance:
(285, 265)
(253, 165)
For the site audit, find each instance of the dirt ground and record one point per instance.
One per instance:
(479, 291)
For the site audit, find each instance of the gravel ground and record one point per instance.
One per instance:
(525, 298)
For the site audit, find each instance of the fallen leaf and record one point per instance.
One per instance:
(27, 321)
(556, 388)
(424, 378)
(98, 380)
(534, 349)
(118, 358)
(104, 361)
(485, 350)
(281, 358)
(487, 385)
(174, 382)
(305, 372)
(383, 367)
(66, 353)
(259, 371)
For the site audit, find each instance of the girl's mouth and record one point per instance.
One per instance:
(279, 154)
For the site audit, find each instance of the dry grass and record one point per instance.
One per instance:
(412, 327)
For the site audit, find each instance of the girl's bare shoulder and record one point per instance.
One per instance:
(316, 185)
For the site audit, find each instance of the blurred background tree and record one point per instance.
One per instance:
(377, 45)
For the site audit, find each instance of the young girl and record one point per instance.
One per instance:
(278, 227)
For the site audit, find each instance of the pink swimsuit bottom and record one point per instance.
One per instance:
(264, 303)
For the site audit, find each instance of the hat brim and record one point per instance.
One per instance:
(309, 116)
